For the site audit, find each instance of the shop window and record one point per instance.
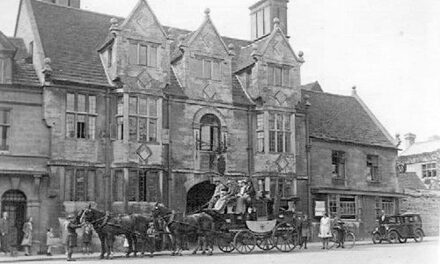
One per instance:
(81, 116)
(343, 206)
(386, 204)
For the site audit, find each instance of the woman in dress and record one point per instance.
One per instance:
(325, 230)
(27, 237)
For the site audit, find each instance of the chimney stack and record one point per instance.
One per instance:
(410, 139)
(263, 15)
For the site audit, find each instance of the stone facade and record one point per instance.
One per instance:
(125, 112)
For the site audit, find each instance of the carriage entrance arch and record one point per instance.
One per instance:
(198, 196)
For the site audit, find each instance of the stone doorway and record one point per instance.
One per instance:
(14, 203)
(198, 196)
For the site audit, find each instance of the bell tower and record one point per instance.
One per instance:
(263, 14)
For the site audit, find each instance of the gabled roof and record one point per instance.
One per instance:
(24, 73)
(342, 118)
(422, 147)
(410, 180)
(314, 86)
(5, 43)
(239, 95)
(71, 38)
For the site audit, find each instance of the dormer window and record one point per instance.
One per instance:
(208, 68)
(142, 54)
(109, 56)
(278, 75)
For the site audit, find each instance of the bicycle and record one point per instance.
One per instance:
(349, 237)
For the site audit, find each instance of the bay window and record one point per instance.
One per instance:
(142, 120)
(279, 133)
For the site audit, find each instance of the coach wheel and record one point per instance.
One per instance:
(350, 239)
(265, 243)
(244, 242)
(224, 243)
(285, 237)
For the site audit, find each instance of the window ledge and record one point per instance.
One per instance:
(374, 182)
(338, 180)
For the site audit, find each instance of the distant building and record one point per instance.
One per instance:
(422, 158)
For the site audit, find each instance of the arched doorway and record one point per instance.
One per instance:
(199, 195)
(14, 203)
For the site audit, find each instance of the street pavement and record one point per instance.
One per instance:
(427, 252)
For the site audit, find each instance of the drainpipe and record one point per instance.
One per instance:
(107, 148)
(308, 158)
(168, 180)
(250, 141)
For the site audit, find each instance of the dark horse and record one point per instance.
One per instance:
(108, 226)
(200, 225)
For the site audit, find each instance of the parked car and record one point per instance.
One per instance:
(398, 228)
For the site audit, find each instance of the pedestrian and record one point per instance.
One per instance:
(305, 231)
(4, 232)
(382, 222)
(26, 242)
(50, 241)
(87, 238)
(152, 233)
(72, 237)
(325, 231)
(64, 234)
(338, 225)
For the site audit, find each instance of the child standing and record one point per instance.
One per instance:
(151, 233)
(50, 241)
(87, 238)
(305, 231)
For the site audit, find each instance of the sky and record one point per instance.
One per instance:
(389, 50)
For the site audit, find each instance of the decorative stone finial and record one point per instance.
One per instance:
(254, 49)
(47, 70)
(114, 28)
(301, 54)
(353, 91)
(207, 12)
(307, 103)
(231, 49)
(276, 22)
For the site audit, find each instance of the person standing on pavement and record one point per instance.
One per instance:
(305, 231)
(325, 231)
(50, 241)
(87, 238)
(26, 242)
(4, 233)
(72, 237)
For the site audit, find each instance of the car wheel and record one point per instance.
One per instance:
(393, 237)
(402, 239)
(377, 239)
(418, 236)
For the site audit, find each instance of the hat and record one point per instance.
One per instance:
(70, 216)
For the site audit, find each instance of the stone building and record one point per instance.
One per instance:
(126, 112)
(353, 159)
(422, 158)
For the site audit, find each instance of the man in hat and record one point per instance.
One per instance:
(72, 237)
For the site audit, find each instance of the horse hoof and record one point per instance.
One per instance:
(101, 257)
(194, 252)
(203, 252)
(173, 254)
(210, 253)
(180, 254)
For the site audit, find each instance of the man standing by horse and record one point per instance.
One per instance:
(72, 237)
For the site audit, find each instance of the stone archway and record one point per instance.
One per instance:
(14, 202)
(198, 196)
